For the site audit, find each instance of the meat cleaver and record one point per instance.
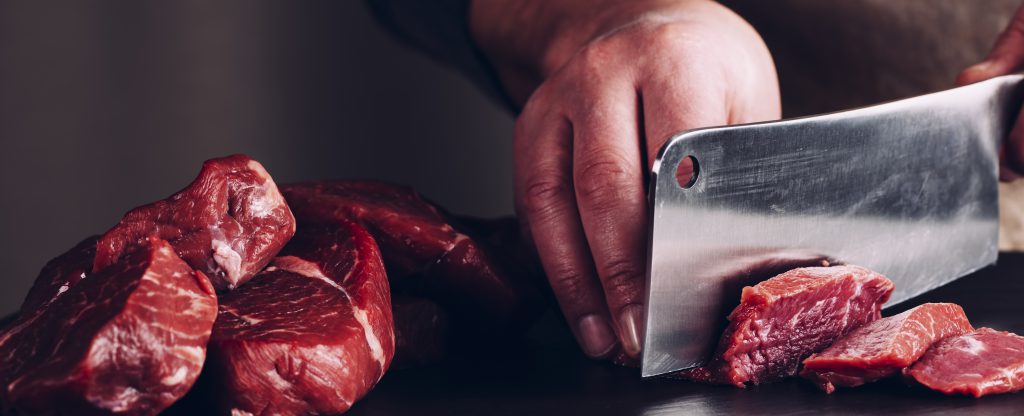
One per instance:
(907, 188)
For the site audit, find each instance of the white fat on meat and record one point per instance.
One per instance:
(309, 269)
(271, 198)
(225, 256)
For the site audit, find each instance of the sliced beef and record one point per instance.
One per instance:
(128, 339)
(421, 331)
(60, 275)
(979, 363)
(229, 223)
(309, 335)
(884, 347)
(782, 320)
(425, 254)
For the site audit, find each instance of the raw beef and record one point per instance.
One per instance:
(782, 320)
(229, 223)
(421, 331)
(884, 347)
(425, 255)
(982, 362)
(60, 275)
(309, 335)
(128, 339)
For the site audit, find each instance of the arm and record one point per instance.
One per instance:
(602, 85)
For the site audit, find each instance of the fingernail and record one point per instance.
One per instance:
(631, 325)
(596, 336)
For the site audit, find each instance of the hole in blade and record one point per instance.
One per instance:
(687, 171)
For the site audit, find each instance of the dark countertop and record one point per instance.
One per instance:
(551, 377)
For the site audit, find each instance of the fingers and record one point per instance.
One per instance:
(1006, 56)
(544, 189)
(608, 176)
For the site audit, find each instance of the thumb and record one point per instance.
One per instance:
(1006, 56)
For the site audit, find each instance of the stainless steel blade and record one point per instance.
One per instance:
(907, 188)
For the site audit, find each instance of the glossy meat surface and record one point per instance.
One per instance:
(128, 339)
(784, 319)
(228, 223)
(884, 347)
(979, 363)
(309, 335)
(427, 252)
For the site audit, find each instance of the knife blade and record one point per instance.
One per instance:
(907, 188)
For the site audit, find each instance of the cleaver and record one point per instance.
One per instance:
(907, 188)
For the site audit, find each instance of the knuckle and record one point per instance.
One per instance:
(544, 194)
(620, 277)
(566, 281)
(600, 180)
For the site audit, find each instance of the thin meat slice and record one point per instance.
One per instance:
(882, 348)
(782, 320)
(979, 363)
(228, 223)
(425, 250)
(309, 335)
(129, 339)
(421, 331)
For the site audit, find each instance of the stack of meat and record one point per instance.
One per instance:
(826, 324)
(279, 318)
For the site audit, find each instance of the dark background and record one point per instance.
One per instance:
(106, 105)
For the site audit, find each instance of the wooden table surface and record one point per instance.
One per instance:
(550, 377)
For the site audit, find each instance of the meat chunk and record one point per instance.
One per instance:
(229, 223)
(128, 339)
(60, 275)
(425, 254)
(309, 335)
(979, 363)
(421, 331)
(782, 320)
(884, 347)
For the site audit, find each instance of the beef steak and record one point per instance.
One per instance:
(228, 223)
(425, 254)
(60, 275)
(782, 320)
(128, 339)
(982, 362)
(884, 347)
(309, 335)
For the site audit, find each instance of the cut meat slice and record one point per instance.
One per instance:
(782, 320)
(982, 362)
(309, 335)
(421, 331)
(59, 275)
(228, 223)
(884, 347)
(425, 255)
(129, 339)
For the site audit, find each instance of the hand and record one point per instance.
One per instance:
(605, 84)
(1006, 57)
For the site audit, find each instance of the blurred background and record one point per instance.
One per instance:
(107, 105)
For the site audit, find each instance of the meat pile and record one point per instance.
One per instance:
(825, 324)
(220, 286)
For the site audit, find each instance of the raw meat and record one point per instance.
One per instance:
(60, 275)
(782, 320)
(128, 339)
(425, 255)
(229, 223)
(884, 347)
(982, 362)
(421, 331)
(312, 333)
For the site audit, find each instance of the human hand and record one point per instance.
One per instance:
(605, 84)
(1006, 57)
